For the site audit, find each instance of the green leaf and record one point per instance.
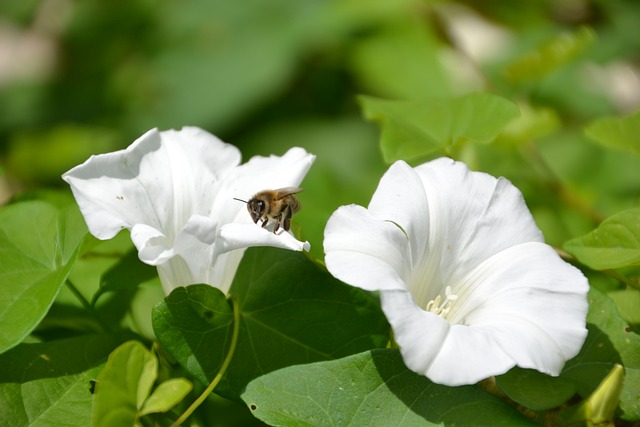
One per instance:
(123, 385)
(610, 342)
(535, 390)
(551, 55)
(38, 245)
(370, 389)
(214, 84)
(194, 325)
(614, 244)
(291, 311)
(627, 301)
(599, 409)
(403, 38)
(533, 123)
(166, 396)
(127, 274)
(42, 155)
(617, 132)
(48, 384)
(417, 129)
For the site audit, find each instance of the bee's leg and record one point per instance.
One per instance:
(277, 223)
(287, 214)
(264, 223)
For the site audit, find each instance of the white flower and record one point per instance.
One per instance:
(174, 190)
(465, 278)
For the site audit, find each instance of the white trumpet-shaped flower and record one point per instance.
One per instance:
(465, 279)
(174, 190)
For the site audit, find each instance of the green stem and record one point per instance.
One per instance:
(223, 369)
(86, 304)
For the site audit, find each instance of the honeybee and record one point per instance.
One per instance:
(278, 205)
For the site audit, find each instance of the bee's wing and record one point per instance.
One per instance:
(286, 191)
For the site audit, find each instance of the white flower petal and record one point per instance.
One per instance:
(199, 230)
(174, 190)
(526, 307)
(446, 354)
(262, 173)
(478, 291)
(472, 216)
(420, 334)
(224, 269)
(258, 174)
(400, 197)
(531, 299)
(153, 247)
(365, 252)
(241, 235)
(174, 273)
(160, 180)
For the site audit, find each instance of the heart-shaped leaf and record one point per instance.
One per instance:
(617, 132)
(291, 311)
(373, 388)
(49, 384)
(38, 245)
(614, 244)
(418, 129)
(194, 325)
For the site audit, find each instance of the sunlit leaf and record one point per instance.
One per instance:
(550, 55)
(123, 385)
(614, 244)
(418, 129)
(166, 396)
(370, 389)
(533, 123)
(291, 311)
(617, 132)
(38, 245)
(49, 384)
(627, 301)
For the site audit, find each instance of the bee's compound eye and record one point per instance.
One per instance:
(255, 208)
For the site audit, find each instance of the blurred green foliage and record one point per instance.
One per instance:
(88, 77)
(269, 75)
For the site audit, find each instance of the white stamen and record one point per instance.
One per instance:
(435, 307)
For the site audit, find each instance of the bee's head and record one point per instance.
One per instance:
(256, 209)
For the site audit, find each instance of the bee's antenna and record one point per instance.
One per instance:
(240, 200)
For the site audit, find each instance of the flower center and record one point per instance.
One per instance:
(442, 306)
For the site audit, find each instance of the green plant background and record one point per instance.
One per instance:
(551, 101)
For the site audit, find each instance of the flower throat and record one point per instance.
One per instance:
(442, 306)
